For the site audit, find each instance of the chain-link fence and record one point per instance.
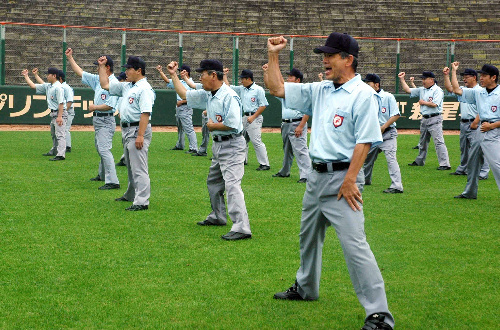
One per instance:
(29, 46)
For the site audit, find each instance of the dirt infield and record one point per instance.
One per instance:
(88, 128)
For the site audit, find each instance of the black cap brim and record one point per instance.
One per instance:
(326, 49)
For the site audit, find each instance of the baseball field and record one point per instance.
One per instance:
(72, 257)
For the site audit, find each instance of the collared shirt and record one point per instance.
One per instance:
(54, 93)
(252, 97)
(171, 85)
(101, 96)
(69, 94)
(223, 107)
(467, 110)
(341, 118)
(287, 113)
(137, 98)
(432, 94)
(488, 105)
(388, 107)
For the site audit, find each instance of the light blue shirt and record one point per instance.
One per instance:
(433, 94)
(171, 85)
(252, 97)
(287, 113)
(137, 98)
(223, 107)
(341, 118)
(388, 107)
(488, 105)
(54, 93)
(69, 94)
(467, 110)
(101, 96)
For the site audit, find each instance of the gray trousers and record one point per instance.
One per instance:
(205, 133)
(295, 146)
(466, 137)
(225, 174)
(58, 134)
(389, 146)
(184, 121)
(139, 185)
(321, 209)
(104, 130)
(484, 146)
(252, 132)
(432, 127)
(71, 115)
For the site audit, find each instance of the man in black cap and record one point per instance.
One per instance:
(103, 121)
(344, 127)
(183, 114)
(468, 113)
(431, 125)
(387, 115)
(253, 99)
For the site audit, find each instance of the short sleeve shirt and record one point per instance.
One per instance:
(252, 97)
(137, 98)
(171, 85)
(54, 93)
(468, 110)
(287, 113)
(488, 105)
(101, 96)
(388, 107)
(433, 94)
(69, 94)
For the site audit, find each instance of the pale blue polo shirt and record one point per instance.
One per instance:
(54, 93)
(223, 107)
(137, 98)
(101, 96)
(341, 118)
(171, 85)
(467, 110)
(252, 97)
(388, 107)
(488, 105)
(287, 113)
(69, 94)
(432, 94)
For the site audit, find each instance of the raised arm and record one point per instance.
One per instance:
(179, 87)
(71, 60)
(27, 78)
(103, 76)
(412, 83)
(447, 82)
(37, 77)
(188, 81)
(454, 81)
(404, 85)
(162, 74)
(226, 81)
(274, 78)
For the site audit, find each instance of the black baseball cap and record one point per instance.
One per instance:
(136, 62)
(489, 70)
(247, 73)
(296, 73)
(109, 62)
(428, 74)
(469, 72)
(210, 65)
(372, 77)
(53, 71)
(62, 75)
(339, 42)
(122, 76)
(185, 67)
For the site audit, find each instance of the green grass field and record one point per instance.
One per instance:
(72, 257)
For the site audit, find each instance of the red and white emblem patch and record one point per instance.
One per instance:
(337, 121)
(494, 108)
(103, 97)
(130, 100)
(431, 98)
(253, 99)
(384, 110)
(219, 118)
(52, 97)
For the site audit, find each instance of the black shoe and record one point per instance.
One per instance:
(414, 164)
(48, 154)
(245, 163)
(200, 154)
(57, 158)
(303, 180)
(208, 223)
(109, 186)
(137, 207)
(457, 173)
(121, 163)
(263, 168)
(279, 175)
(290, 294)
(368, 183)
(376, 321)
(464, 197)
(393, 191)
(97, 178)
(191, 151)
(416, 147)
(121, 199)
(483, 178)
(234, 236)
(176, 148)
(443, 168)
(68, 149)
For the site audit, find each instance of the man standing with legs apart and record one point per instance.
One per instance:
(388, 113)
(103, 120)
(135, 113)
(224, 121)
(56, 103)
(486, 143)
(344, 126)
(431, 124)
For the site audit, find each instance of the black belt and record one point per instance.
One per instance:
(248, 113)
(290, 120)
(466, 120)
(220, 138)
(431, 115)
(130, 124)
(488, 121)
(103, 114)
(330, 167)
(389, 128)
(52, 110)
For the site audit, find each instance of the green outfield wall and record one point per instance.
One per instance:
(20, 105)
